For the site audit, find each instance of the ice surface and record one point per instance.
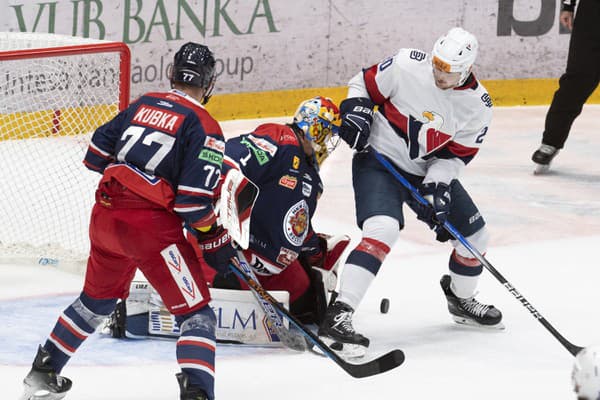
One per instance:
(544, 232)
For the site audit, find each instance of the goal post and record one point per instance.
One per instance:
(55, 90)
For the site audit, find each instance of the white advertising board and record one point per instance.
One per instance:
(263, 45)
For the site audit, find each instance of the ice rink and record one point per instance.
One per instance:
(544, 232)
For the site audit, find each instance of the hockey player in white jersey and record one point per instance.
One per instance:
(432, 117)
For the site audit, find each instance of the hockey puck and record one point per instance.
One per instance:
(384, 306)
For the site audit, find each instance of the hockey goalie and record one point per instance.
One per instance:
(289, 259)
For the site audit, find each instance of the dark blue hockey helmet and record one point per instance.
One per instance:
(194, 65)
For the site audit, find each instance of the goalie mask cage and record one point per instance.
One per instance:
(55, 91)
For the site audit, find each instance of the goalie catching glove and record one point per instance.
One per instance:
(357, 117)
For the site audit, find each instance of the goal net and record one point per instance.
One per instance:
(54, 92)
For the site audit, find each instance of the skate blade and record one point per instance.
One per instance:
(541, 169)
(470, 322)
(344, 350)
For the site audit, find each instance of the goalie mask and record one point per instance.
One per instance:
(586, 374)
(319, 119)
(456, 51)
(194, 65)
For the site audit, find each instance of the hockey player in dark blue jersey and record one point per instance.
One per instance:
(285, 252)
(160, 161)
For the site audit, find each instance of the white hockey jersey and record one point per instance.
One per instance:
(424, 130)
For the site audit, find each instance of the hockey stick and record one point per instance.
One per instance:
(238, 195)
(573, 349)
(382, 364)
(290, 339)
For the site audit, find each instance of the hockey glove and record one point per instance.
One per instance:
(357, 117)
(429, 214)
(314, 256)
(217, 249)
(438, 195)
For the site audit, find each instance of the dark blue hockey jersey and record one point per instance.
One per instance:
(166, 148)
(289, 184)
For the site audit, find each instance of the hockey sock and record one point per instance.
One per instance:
(354, 284)
(74, 325)
(465, 274)
(196, 349)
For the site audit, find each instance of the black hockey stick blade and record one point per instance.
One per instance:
(379, 365)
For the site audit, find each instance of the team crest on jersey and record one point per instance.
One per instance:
(295, 223)
(432, 126)
(296, 162)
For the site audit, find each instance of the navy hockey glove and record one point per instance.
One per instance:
(217, 249)
(357, 117)
(429, 215)
(438, 195)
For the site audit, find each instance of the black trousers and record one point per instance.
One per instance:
(581, 77)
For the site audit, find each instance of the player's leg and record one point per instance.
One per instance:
(575, 85)
(171, 266)
(378, 200)
(460, 284)
(107, 278)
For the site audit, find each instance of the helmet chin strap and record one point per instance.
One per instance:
(464, 76)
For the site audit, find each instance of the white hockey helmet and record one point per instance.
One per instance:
(586, 374)
(455, 51)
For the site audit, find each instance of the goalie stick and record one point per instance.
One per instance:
(571, 348)
(381, 364)
(238, 195)
(290, 339)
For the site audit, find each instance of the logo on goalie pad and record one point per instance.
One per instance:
(182, 276)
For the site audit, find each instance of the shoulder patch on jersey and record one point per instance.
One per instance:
(417, 55)
(487, 100)
(214, 144)
(261, 156)
(212, 157)
(263, 145)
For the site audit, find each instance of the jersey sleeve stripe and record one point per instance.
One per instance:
(455, 150)
(184, 208)
(371, 85)
(97, 150)
(182, 189)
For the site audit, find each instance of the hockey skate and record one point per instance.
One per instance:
(188, 392)
(115, 323)
(542, 158)
(469, 311)
(42, 382)
(337, 332)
